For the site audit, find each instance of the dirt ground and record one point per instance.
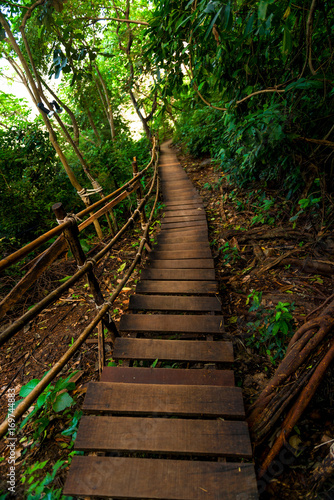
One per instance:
(238, 220)
(244, 233)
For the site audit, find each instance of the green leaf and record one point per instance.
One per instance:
(154, 364)
(41, 400)
(249, 25)
(62, 280)
(287, 41)
(228, 17)
(303, 84)
(62, 401)
(121, 268)
(26, 389)
(212, 23)
(284, 327)
(262, 10)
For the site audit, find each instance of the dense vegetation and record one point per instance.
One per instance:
(249, 83)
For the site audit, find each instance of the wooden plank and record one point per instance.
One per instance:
(172, 323)
(183, 218)
(184, 228)
(178, 274)
(174, 303)
(172, 175)
(176, 208)
(182, 264)
(199, 253)
(178, 185)
(189, 202)
(147, 399)
(169, 238)
(180, 192)
(186, 232)
(169, 376)
(191, 437)
(173, 350)
(189, 241)
(168, 246)
(183, 212)
(196, 223)
(139, 478)
(177, 199)
(184, 199)
(199, 287)
(172, 214)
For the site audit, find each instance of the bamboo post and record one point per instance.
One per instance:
(139, 194)
(101, 347)
(71, 235)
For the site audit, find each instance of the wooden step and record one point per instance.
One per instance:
(182, 206)
(172, 323)
(148, 399)
(168, 376)
(186, 231)
(178, 274)
(182, 264)
(183, 218)
(185, 245)
(173, 350)
(197, 202)
(188, 234)
(195, 223)
(199, 253)
(128, 478)
(174, 303)
(173, 287)
(178, 199)
(171, 238)
(178, 188)
(137, 434)
(184, 212)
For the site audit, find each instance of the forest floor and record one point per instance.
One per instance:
(248, 230)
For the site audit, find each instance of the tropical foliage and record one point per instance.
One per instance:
(247, 82)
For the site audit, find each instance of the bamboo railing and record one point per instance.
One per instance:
(68, 230)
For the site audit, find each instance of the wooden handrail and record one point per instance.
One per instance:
(16, 326)
(58, 366)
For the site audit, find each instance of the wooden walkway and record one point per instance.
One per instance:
(168, 433)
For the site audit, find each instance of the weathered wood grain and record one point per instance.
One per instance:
(174, 350)
(172, 323)
(174, 303)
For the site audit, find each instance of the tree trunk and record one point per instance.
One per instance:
(32, 87)
(92, 124)
(110, 113)
(146, 128)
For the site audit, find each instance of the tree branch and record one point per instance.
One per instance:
(309, 26)
(96, 19)
(29, 12)
(15, 4)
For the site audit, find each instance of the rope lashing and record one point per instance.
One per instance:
(72, 217)
(99, 307)
(86, 193)
(92, 260)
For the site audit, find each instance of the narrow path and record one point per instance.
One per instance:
(168, 433)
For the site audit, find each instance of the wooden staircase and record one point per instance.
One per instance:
(168, 433)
